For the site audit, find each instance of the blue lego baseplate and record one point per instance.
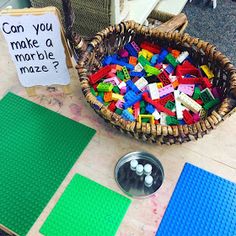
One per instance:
(202, 204)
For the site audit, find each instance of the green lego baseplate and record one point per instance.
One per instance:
(38, 149)
(86, 208)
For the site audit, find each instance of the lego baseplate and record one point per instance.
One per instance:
(86, 208)
(38, 148)
(202, 204)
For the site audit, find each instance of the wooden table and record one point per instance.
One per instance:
(215, 152)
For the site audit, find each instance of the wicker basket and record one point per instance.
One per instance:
(111, 39)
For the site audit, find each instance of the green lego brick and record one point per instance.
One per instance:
(142, 104)
(206, 96)
(118, 111)
(197, 93)
(171, 120)
(170, 105)
(116, 89)
(171, 60)
(106, 103)
(120, 75)
(93, 92)
(101, 94)
(86, 208)
(142, 110)
(145, 120)
(211, 104)
(104, 87)
(143, 61)
(38, 149)
(150, 70)
(126, 73)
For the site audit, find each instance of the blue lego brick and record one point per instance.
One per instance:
(131, 50)
(130, 96)
(131, 99)
(122, 63)
(138, 74)
(107, 61)
(132, 86)
(150, 109)
(189, 76)
(202, 204)
(162, 56)
(127, 115)
(182, 122)
(124, 59)
(100, 99)
(169, 69)
(154, 59)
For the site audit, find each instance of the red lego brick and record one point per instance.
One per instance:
(206, 83)
(164, 78)
(157, 105)
(188, 118)
(158, 66)
(189, 80)
(95, 87)
(199, 101)
(187, 64)
(155, 49)
(164, 100)
(187, 68)
(94, 78)
(112, 106)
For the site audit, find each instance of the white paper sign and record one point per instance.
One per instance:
(36, 48)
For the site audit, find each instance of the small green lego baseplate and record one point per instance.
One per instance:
(38, 149)
(86, 208)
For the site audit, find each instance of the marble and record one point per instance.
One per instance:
(215, 152)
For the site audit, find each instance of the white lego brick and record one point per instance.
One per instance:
(153, 91)
(138, 68)
(141, 83)
(156, 115)
(189, 103)
(122, 84)
(163, 118)
(182, 56)
(178, 106)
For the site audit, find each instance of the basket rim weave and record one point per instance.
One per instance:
(226, 108)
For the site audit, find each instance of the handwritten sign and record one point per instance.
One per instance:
(36, 48)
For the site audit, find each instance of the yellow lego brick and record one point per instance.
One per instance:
(160, 85)
(130, 110)
(117, 97)
(150, 117)
(148, 54)
(207, 71)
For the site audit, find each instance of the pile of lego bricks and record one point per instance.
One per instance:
(150, 84)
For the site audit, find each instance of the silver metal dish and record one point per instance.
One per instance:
(133, 184)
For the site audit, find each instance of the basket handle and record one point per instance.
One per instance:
(69, 17)
(174, 23)
(232, 93)
(76, 41)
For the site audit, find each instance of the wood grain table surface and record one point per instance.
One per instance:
(216, 152)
